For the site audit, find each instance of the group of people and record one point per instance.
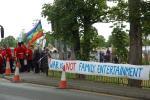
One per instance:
(30, 59)
(107, 57)
(21, 53)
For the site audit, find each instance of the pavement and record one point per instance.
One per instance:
(42, 79)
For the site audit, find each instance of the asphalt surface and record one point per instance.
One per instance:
(27, 91)
(86, 85)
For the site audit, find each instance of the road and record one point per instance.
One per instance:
(26, 91)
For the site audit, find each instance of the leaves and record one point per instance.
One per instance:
(9, 41)
(120, 41)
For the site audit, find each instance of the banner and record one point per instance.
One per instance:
(103, 69)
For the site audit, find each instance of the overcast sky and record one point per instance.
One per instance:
(16, 15)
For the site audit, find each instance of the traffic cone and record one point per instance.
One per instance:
(63, 82)
(16, 76)
(7, 71)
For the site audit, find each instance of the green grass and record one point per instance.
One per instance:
(104, 79)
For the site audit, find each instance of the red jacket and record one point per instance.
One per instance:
(20, 53)
(15, 51)
(29, 54)
(8, 53)
(1, 59)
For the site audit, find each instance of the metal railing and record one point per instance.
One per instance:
(102, 79)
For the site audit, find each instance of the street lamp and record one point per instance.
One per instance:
(2, 31)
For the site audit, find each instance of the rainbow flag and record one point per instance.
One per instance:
(35, 33)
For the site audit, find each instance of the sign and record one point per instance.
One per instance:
(103, 69)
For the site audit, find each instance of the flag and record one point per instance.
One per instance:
(35, 33)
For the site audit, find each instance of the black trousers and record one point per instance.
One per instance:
(22, 69)
(29, 66)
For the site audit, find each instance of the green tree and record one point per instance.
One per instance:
(120, 42)
(145, 9)
(9, 41)
(97, 41)
(135, 50)
(63, 16)
(119, 39)
(90, 12)
(49, 38)
(109, 41)
(78, 17)
(136, 12)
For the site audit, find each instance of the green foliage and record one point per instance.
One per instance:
(120, 41)
(90, 12)
(145, 19)
(9, 41)
(109, 41)
(96, 41)
(70, 18)
(24, 38)
(119, 12)
(49, 38)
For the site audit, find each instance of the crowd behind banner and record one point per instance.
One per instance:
(31, 58)
(105, 55)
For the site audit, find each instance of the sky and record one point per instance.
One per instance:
(20, 15)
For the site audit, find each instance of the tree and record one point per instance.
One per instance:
(119, 39)
(78, 17)
(65, 28)
(109, 41)
(49, 38)
(135, 50)
(90, 12)
(145, 9)
(138, 18)
(9, 41)
(97, 41)
(120, 42)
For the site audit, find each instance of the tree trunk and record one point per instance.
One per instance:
(86, 38)
(76, 43)
(135, 50)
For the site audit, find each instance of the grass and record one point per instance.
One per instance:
(104, 79)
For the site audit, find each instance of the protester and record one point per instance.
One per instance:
(20, 53)
(36, 58)
(15, 51)
(29, 55)
(107, 56)
(116, 60)
(8, 54)
(1, 62)
(44, 60)
(101, 55)
(25, 57)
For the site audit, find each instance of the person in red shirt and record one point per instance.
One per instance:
(1, 61)
(25, 57)
(20, 54)
(15, 51)
(8, 54)
(29, 55)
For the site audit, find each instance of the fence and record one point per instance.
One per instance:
(103, 79)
